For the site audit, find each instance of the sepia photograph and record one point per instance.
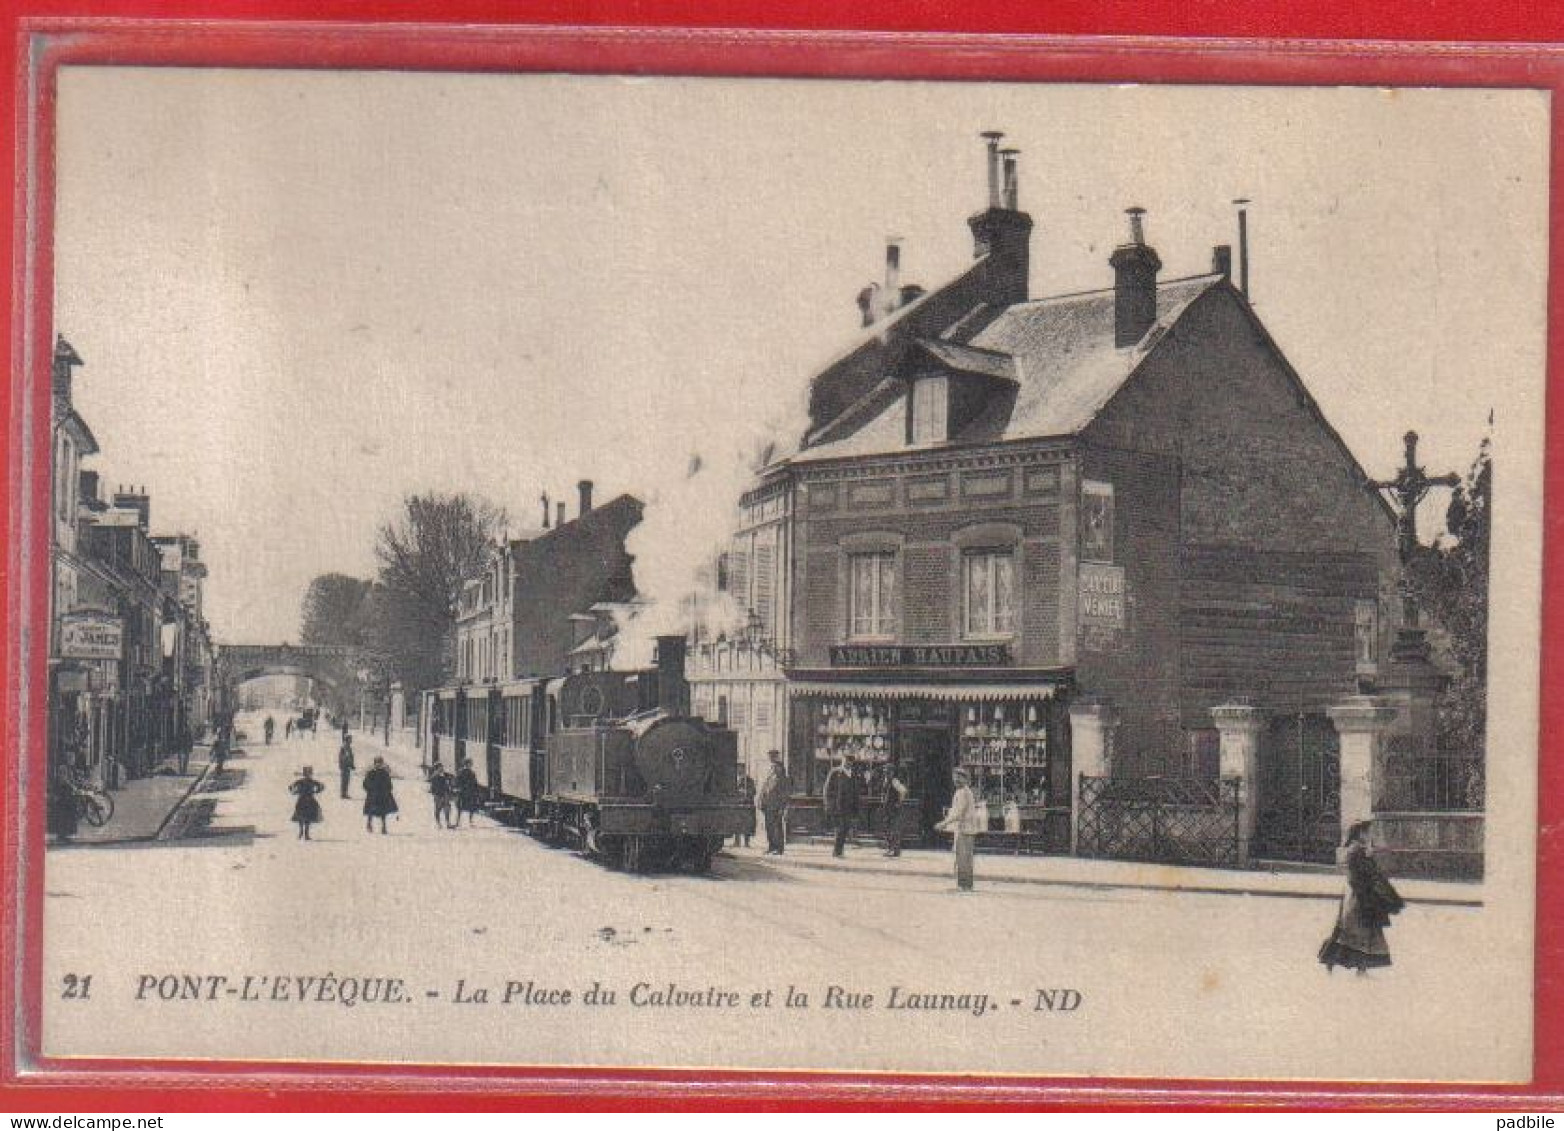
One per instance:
(647, 572)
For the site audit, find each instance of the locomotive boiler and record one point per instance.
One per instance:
(656, 789)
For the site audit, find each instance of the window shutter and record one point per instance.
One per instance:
(765, 572)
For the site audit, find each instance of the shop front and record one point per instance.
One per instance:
(1011, 736)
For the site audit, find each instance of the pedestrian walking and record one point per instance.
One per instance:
(841, 801)
(747, 788)
(306, 810)
(963, 820)
(773, 804)
(890, 809)
(345, 763)
(287, 729)
(345, 734)
(219, 752)
(184, 743)
(469, 794)
(1358, 940)
(379, 800)
(441, 787)
(269, 728)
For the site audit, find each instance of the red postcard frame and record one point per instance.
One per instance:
(769, 51)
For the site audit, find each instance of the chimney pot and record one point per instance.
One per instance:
(1243, 245)
(992, 138)
(892, 292)
(545, 509)
(585, 490)
(1012, 183)
(1137, 225)
(559, 514)
(1222, 260)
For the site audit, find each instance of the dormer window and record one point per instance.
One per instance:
(930, 411)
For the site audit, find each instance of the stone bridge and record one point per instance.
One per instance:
(333, 667)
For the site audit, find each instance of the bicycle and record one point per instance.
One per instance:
(93, 805)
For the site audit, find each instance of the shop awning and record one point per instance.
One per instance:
(946, 692)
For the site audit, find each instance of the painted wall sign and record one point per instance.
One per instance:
(90, 636)
(1100, 606)
(920, 655)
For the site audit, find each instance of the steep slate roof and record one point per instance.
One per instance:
(1058, 352)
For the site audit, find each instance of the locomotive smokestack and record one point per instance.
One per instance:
(673, 690)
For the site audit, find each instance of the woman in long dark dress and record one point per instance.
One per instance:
(469, 794)
(1366, 907)
(379, 801)
(306, 810)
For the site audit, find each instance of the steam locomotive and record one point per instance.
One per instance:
(609, 762)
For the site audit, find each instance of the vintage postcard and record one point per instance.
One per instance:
(1005, 579)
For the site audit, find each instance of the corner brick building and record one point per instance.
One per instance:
(1053, 539)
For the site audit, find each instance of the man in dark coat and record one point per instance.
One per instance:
(469, 794)
(841, 801)
(345, 762)
(773, 805)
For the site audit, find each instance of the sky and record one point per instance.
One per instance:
(300, 296)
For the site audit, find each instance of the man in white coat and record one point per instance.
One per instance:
(964, 821)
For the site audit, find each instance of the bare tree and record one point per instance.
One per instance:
(426, 555)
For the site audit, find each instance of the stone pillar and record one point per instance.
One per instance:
(398, 708)
(1362, 722)
(1240, 726)
(1091, 753)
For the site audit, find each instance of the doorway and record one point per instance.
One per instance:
(926, 756)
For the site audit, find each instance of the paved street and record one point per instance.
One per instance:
(1195, 983)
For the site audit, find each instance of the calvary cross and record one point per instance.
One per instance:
(1410, 486)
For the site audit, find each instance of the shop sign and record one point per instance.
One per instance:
(920, 655)
(90, 636)
(1101, 604)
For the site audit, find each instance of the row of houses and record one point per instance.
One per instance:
(130, 652)
(1101, 549)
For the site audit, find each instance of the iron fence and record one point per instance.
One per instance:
(1419, 779)
(1164, 820)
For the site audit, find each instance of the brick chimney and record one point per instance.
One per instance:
(1001, 233)
(585, 490)
(1135, 267)
(1222, 260)
(65, 362)
(559, 514)
(136, 499)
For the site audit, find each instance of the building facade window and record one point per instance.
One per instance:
(988, 593)
(930, 410)
(871, 596)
